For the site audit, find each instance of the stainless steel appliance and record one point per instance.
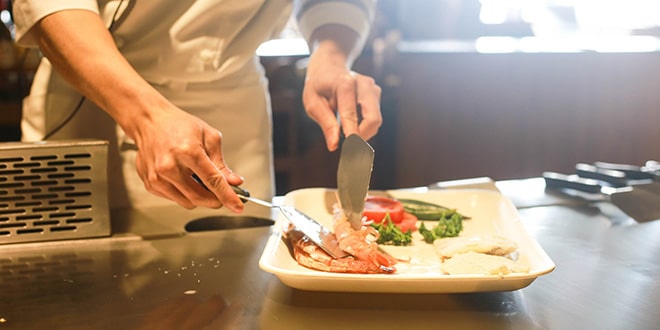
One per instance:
(53, 190)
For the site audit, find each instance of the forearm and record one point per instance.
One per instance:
(338, 28)
(82, 50)
(339, 44)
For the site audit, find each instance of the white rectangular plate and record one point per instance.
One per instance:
(490, 212)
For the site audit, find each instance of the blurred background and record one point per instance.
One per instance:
(499, 88)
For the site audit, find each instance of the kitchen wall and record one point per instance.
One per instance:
(515, 115)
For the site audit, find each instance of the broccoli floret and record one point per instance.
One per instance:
(450, 224)
(390, 234)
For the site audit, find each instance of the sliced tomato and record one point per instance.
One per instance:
(409, 222)
(376, 207)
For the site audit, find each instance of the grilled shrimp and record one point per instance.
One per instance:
(359, 243)
(310, 255)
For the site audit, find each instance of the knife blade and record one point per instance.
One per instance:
(353, 177)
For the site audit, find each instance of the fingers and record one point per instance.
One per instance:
(170, 174)
(347, 105)
(320, 110)
(155, 183)
(358, 101)
(213, 147)
(369, 94)
(355, 98)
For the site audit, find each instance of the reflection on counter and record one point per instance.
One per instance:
(120, 283)
(337, 310)
(218, 222)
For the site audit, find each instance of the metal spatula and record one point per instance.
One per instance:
(318, 233)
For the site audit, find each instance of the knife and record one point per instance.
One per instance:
(640, 204)
(631, 172)
(620, 175)
(353, 176)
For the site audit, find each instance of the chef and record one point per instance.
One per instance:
(176, 88)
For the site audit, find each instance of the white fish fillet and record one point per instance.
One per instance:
(488, 244)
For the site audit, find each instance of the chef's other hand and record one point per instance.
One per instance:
(331, 88)
(172, 146)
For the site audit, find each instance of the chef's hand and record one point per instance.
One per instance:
(172, 146)
(331, 88)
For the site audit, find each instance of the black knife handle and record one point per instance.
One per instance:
(238, 190)
(632, 172)
(613, 178)
(241, 191)
(556, 180)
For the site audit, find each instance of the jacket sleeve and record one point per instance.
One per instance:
(27, 13)
(355, 14)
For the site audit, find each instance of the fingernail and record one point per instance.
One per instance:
(234, 176)
(238, 208)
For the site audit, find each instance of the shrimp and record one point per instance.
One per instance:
(310, 255)
(359, 243)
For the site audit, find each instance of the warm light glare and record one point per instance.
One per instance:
(593, 17)
(284, 47)
(5, 17)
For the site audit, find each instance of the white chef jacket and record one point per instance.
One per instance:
(198, 54)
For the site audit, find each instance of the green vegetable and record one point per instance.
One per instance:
(425, 210)
(450, 224)
(391, 234)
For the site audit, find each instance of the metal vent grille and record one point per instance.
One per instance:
(53, 190)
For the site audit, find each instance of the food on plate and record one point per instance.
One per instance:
(488, 244)
(378, 209)
(389, 234)
(382, 219)
(365, 258)
(359, 243)
(396, 219)
(425, 210)
(482, 264)
(310, 255)
(450, 224)
(387, 216)
(481, 254)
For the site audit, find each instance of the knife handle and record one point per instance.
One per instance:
(632, 172)
(238, 190)
(614, 178)
(559, 181)
(241, 192)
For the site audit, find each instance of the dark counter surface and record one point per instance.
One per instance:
(153, 274)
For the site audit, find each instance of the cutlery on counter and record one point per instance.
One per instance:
(621, 175)
(631, 189)
(633, 172)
